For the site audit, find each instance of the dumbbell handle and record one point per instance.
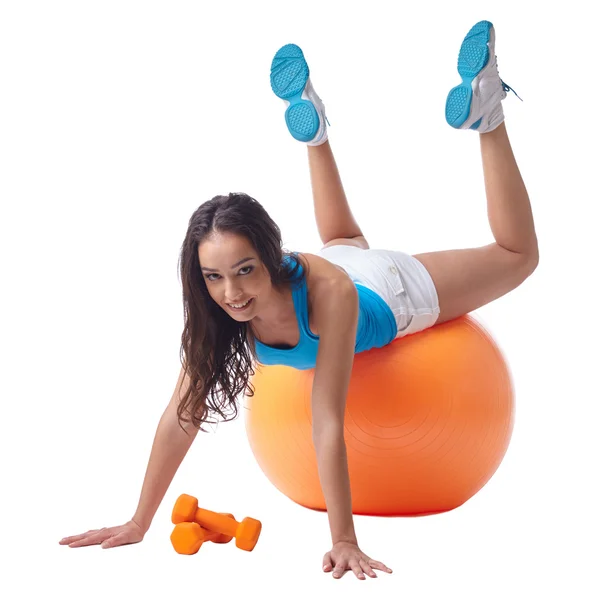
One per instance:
(210, 536)
(216, 522)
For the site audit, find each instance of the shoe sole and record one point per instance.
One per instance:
(289, 74)
(472, 58)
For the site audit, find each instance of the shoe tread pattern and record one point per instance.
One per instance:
(289, 74)
(472, 58)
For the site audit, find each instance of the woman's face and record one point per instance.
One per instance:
(235, 277)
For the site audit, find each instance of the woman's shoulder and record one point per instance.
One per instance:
(319, 270)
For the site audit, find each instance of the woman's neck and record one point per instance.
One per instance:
(278, 312)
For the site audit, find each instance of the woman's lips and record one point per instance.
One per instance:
(243, 308)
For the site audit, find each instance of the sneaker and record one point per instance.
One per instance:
(477, 102)
(305, 114)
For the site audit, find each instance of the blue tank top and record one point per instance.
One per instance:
(376, 328)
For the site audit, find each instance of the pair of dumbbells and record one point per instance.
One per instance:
(194, 526)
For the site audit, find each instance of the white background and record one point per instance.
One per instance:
(118, 119)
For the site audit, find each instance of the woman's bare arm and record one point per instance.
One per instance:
(171, 444)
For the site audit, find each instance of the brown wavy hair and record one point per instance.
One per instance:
(217, 352)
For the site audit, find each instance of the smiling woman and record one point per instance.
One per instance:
(247, 300)
(233, 272)
(232, 285)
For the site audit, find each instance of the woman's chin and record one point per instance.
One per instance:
(242, 315)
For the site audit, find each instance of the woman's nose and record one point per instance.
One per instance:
(233, 291)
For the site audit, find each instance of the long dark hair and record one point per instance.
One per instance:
(217, 351)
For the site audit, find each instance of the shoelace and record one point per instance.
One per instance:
(505, 86)
(507, 89)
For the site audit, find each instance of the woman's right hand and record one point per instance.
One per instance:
(130, 533)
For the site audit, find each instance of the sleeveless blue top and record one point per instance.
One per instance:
(376, 328)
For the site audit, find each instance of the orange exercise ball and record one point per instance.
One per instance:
(428, 420)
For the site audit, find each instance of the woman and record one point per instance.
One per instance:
(246, 300)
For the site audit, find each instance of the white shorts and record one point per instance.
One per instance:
(400, 279)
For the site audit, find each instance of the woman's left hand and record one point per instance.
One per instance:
(345, 556)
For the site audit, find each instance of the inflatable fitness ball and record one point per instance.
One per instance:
(428, 421)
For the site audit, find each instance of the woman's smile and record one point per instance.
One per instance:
(240, 306)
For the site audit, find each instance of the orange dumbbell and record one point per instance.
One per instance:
(187, 538)
(246, 533)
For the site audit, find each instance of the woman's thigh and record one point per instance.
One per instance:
(467, 279)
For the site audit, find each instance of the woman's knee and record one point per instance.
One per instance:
(358, 241)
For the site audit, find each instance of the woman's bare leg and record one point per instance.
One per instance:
(307, 122)
(467, 279)
(335, 221)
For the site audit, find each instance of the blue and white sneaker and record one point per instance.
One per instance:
(305, 114)
(477, 102)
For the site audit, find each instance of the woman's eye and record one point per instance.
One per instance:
(210, 275)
